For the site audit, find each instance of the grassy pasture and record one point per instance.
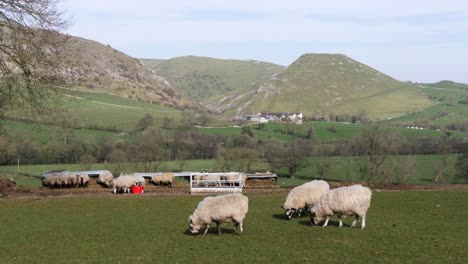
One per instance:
(447, 101)
(402, 227)
(43, 134)
(425, 168)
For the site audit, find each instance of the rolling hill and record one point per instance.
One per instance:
(95, 66)
(447, 84)
(201, 78)
(326, 83)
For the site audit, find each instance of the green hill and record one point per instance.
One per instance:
(201, 78)
(151, 63)
(327, 83)
(447, 84)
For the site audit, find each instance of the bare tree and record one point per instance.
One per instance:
(292, 155)
(30, 54)
(373, 146)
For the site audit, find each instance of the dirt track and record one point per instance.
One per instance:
(94, 191)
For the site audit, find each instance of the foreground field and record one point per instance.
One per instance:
(402, 227)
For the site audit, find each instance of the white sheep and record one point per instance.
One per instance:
(220, 209)
(163, 178)
(344, 201)
(236, 179)
(83, 180)
(304, 196)
(105, 178)
(123, 182)
(138, 180)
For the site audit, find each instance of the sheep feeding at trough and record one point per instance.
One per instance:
(105, 178)
(344, 201)
(304, 196)
(163, 179)
(123, 183)
(219, 209)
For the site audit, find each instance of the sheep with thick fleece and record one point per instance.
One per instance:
(105, 178)
(138, 180)
(123, 182)
(220, 209)
(236, 179)
(344, 201)
(304, 196)
(83, 180)
(163, 178)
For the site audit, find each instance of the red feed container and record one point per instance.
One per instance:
(138, 189)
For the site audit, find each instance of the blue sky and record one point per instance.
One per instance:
(424, 41)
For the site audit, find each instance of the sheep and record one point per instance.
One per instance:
(49, 181)
(344, 201)
(83, 180)
(123, 182)
(163, 178)
(74, 181)
(138, 180)
(212, 180)
(233, 180)
(105, 178)
(219, 209)
(304, 196)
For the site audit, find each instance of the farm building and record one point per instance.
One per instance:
(265, 117)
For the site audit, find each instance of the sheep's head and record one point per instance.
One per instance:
(289, 212)
(193, 225)
(315, 218)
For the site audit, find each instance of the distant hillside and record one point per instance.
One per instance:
(201, 78)
(327, 83)
(99, 67)
(151, 63)
(447, 84)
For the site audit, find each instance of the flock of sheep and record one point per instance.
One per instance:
(314, 197)
(66, 180)
(123, 183)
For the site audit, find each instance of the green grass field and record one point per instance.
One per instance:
(402, 227)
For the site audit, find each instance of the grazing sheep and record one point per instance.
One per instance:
(219, 209)
(164, 178)
(123, 182)
(105, 178)
(83, 180)
(304, 196)
(344, 201)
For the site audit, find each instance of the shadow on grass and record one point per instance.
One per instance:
(213, 231)
(330, 223)
(281, 217)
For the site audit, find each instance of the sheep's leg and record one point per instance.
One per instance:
(340, 220)
(235, 226)
(326, 222)
(241, 224)
(206, 229)
(363, 222)
(218, 226)
(356, 217)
